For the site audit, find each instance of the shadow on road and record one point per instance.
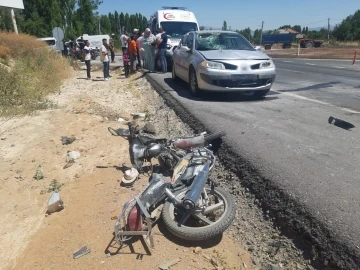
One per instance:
(313, 87)
(182, 89)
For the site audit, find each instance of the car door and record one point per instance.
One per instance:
(186, 57)
(177, 57)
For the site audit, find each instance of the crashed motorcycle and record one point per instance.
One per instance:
(190, 203)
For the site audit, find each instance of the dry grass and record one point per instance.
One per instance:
(36, 71)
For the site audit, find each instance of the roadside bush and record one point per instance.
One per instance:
(29, 71)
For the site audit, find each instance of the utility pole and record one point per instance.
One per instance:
(261, 34)
(328, 30)
(14, 21)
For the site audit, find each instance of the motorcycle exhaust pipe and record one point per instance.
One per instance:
(196, 188)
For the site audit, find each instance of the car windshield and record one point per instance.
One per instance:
(178, 29)
(222, 41)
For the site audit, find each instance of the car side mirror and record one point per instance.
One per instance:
(185, 48)
(258, 48)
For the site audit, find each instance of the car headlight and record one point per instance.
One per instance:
(212, 65)
(267, 64)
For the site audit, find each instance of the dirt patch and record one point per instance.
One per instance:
(91, 191)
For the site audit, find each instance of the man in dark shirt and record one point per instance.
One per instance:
(162, 43)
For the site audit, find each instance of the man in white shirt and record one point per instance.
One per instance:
(87, 59)
(105, 59)
(124, 40)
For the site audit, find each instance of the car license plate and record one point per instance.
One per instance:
(244, 77)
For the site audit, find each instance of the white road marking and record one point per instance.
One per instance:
(287, 61)
(317, 101)
(338, 67)
(311, 64)
(290, 70)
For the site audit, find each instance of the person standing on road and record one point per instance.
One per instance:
(124, 41)
(112, 48)
(133, 54)
(105, 59)
(140, 46)
(149, 43)
(87, 59)
(162, 50)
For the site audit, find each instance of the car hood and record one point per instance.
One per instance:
(234, 55)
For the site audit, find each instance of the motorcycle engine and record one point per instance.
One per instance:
(166, 161)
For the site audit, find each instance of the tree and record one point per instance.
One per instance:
(224, 27)
(348, 29)
(105, 25)
(245, 32)
(297, 28)
(122, 20)
(85, 15)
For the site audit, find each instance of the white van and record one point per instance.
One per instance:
(95, 41)
(51, 41)
(176, 22)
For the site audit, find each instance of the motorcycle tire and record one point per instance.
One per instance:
(205, 232)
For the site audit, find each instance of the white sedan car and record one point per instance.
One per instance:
(222, 61)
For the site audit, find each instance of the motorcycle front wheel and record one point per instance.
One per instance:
(205, 222)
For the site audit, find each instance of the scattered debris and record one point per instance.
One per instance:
(130, 176)
(121, 120)
(81, 252)
(3, 139)
(197, 250)
(275, 236)
(66, 140)
(114, 218)
(69, 164)
(55, 203)
(340, 123)
(38, 174)
(214, 261)
(149, 128)
(167, 265)
(72, 156)
(138, 115)
(270, 267)
(139, 257)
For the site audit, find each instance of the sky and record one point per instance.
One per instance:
(242, 14)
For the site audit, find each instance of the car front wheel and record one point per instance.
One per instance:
(195, 91)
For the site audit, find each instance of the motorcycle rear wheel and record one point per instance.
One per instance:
(192, 229)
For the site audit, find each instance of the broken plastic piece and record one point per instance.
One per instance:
(66, 140)
(340, 123)
(167, 265)
(55, 203)
(81, 252)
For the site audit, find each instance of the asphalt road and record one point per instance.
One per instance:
(287, 136)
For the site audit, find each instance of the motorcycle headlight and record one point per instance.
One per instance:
(212, 65)
(267, 64)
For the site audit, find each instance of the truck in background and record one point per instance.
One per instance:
(286, 39)
(269, 40)
(176, 21)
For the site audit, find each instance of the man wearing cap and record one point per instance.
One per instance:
(112, 48)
